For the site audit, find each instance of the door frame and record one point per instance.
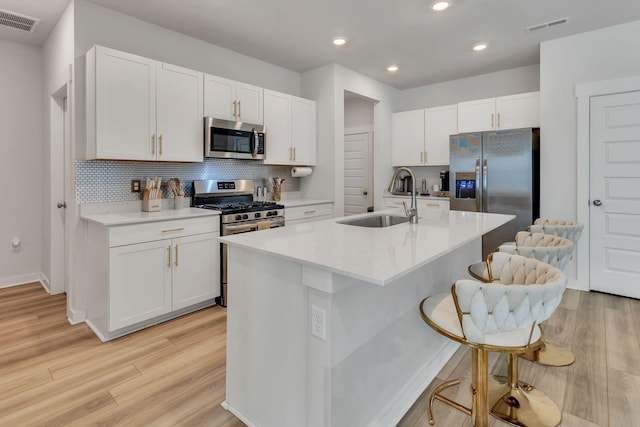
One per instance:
(583, 93)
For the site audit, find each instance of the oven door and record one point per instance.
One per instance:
(238, 228)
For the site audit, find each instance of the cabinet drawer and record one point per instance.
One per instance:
(310, 211)
(146, 232)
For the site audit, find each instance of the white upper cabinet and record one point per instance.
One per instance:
(230, 100)
(421, 137)
(505, 112)
(440, 122)
(141, 109)
(290, 124)
(407, 139)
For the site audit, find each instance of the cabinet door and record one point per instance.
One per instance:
(303, 131)
(250, 103)
(196, 269)
(121, 108)
(179, 114)
(440, 122)
(518, 111)
(407, 140)
(219, 97)
(139, 283)
(477, 116)
(277, 121)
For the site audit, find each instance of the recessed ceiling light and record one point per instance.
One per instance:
(339, 41)
(392, 68)
(480, 47)
(440, 5)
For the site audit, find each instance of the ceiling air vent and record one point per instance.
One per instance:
(547, 25)
(18, 21)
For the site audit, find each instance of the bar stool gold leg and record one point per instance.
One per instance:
(479, 379)
(521, 404)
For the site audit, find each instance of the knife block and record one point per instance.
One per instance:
(151, 205)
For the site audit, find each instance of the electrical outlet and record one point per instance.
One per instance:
(318, 322)
(135, 185)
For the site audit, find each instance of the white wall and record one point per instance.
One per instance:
(358, 112)
(98, 25)
(604, 54)
(21, 162)
(327, 86)
(500, 83)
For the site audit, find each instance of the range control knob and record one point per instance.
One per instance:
(238, 217)
(245, 216)
(258, 215)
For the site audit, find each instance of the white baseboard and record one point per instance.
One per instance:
(44, 280)
(74, 316)
(8, 282)
(239, 415)
(574, 284)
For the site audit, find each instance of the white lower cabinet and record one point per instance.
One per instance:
(155, 271)
(307, 213)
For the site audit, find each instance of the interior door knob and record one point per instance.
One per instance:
(597, 202)
(62, 205)
(365, 192)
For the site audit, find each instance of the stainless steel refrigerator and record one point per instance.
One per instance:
(497, 172)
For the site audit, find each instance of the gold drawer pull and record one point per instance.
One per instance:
(309, 212)
(169, 230)
(398, 203)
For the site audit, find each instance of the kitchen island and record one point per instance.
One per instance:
(323, 327)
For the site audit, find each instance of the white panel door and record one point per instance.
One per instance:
(614, 227)
(196, 269)
(357, 174)
(125, 105)
(179, 114)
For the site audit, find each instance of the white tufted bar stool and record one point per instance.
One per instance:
(571, 230)
(499, 317)
(553, 250)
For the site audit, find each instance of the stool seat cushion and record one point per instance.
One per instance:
(571, 230)
(441, 311)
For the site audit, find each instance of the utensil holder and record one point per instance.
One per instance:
(178, 202)
(151, 205)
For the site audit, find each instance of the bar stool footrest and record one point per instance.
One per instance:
(435, 395)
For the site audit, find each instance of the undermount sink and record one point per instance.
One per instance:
(376, 221)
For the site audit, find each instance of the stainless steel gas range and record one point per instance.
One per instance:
(239, 213)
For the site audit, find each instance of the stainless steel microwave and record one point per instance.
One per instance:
(233, 140)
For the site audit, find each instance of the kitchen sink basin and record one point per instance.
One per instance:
(376, 221)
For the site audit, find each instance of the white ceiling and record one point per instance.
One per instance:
(428, 47)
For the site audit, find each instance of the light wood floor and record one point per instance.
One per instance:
(173, 374)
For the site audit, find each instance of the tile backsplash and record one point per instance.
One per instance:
(110, 181)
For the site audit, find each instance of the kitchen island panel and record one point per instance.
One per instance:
(377, 357)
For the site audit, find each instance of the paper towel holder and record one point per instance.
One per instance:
(299, 172)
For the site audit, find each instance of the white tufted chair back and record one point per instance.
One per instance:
(571, 230)
(553, 250)
(526, 293)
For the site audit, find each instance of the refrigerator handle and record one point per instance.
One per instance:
(478, 187)
(484, 186)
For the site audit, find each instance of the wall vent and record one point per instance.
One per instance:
(547, 25)
(18, 21)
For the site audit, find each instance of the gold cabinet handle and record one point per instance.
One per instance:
(498, 120)
(294, 154)
(425, 157)
(169, 230)
(176, 255)
(492, 125)
(290, 153)
(153, 144)
(169, 256)
(234, 108)
(239, 110)
(309, 212)
(422, 157)
(160, 144)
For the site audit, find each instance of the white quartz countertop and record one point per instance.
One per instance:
(136, 217)
(376, 255)
(292, 203)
